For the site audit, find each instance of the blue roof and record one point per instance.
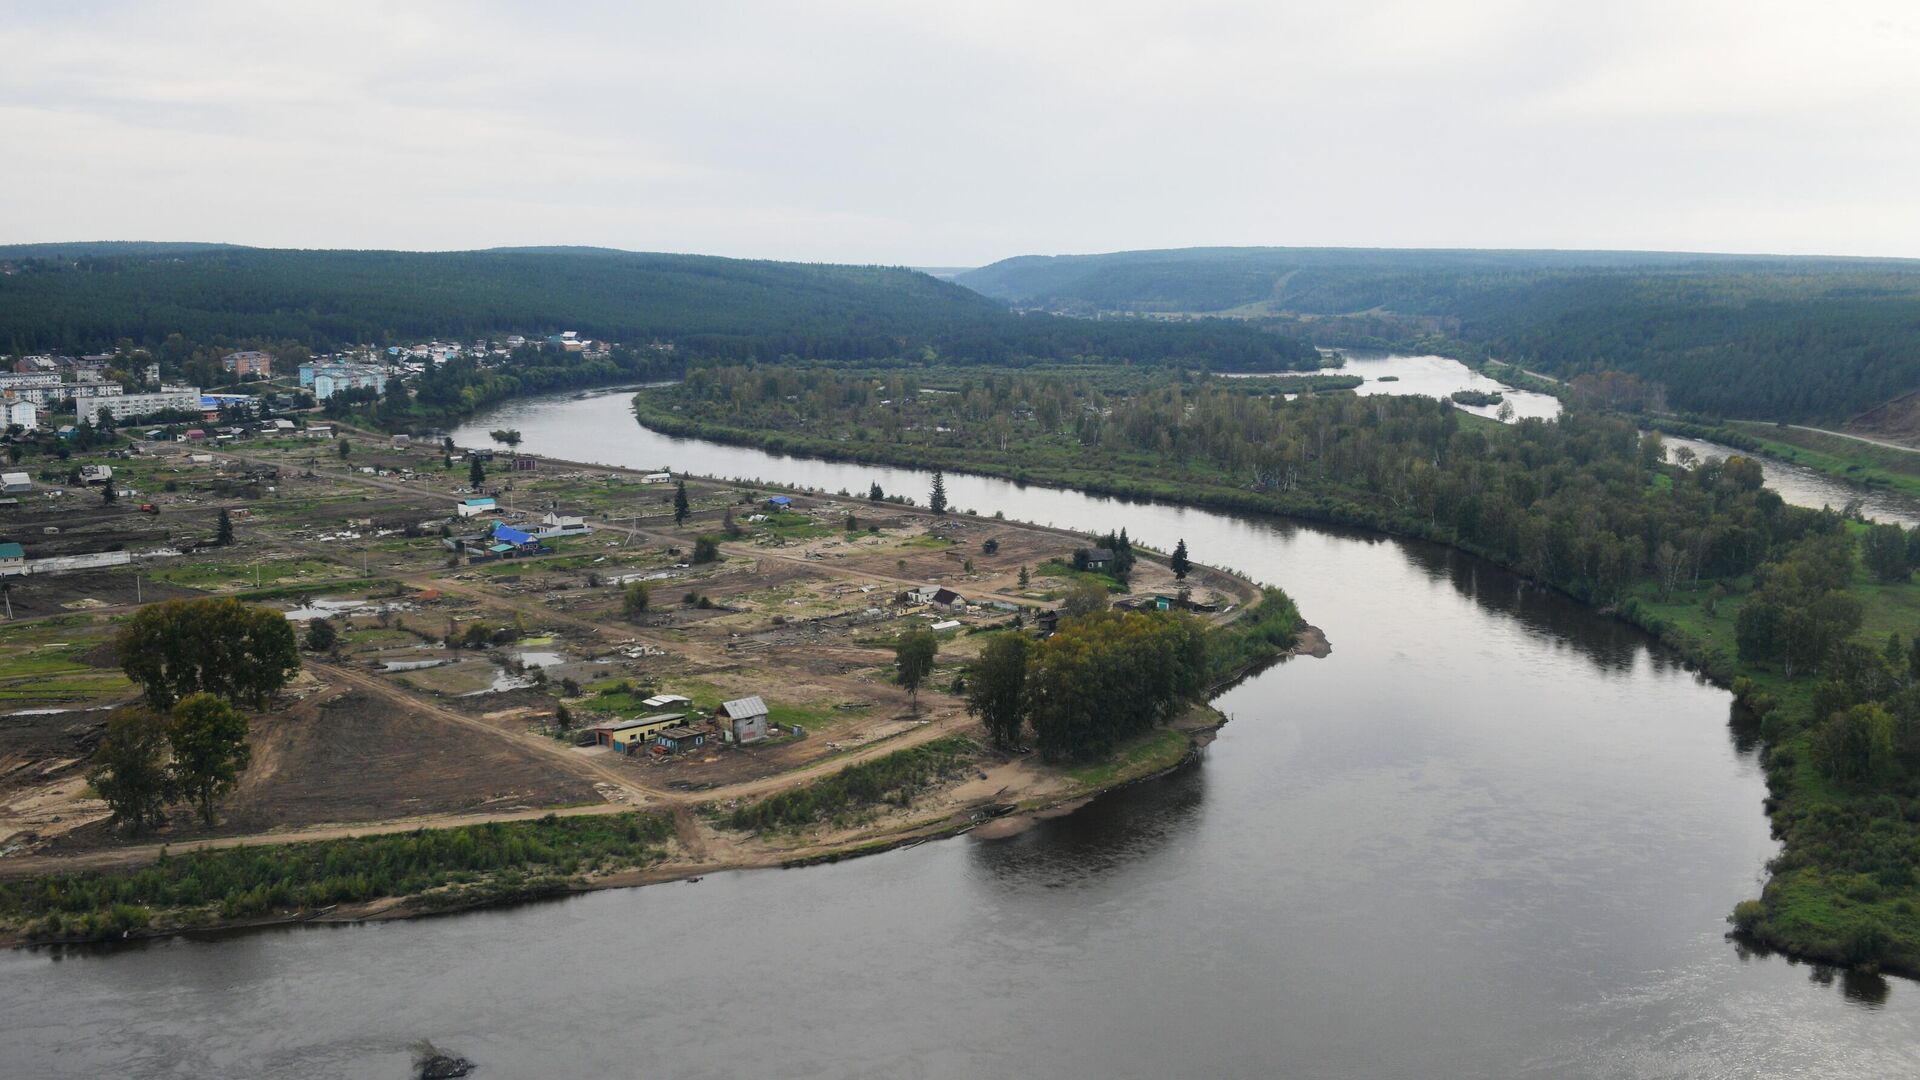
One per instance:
(488, 501)
(12, 551)
(510, 534)
(781, 500)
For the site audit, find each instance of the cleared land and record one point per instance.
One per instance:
(462, 691)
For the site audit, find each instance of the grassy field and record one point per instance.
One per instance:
(1848, 459)
(47, 663)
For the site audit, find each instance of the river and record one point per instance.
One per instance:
(1493, 834)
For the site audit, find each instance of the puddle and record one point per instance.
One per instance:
(329, 609)
(411, 665)
(503, 680)
(538, 658)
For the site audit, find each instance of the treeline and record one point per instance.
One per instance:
(1738, 336)
(708, 308)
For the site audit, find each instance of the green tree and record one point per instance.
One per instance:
(937, 498)
(1179, 563)
(874, 494)
(1084, 597)
(635, 599)
(1026, 577)
(1886, 554)
(130, 769)
(913, 658)
(209, 742)
(476, 472)
(997, 686)
(108, 495)
(344, 448)
(706, 549)
(223, 533)
(681, 508)
(321, 635)
(178, 648)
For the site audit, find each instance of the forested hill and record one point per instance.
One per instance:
(1792, 338)
(88, 297)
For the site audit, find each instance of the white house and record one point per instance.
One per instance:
(16, 483)
(475, 507)
(562, 525)
(657, 478)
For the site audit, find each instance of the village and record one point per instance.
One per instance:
(501, 637)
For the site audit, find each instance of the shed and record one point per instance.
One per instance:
(676, 739)
(780, 502)
(745, 719)
(15, 482)
(665, 701)
(472, 507)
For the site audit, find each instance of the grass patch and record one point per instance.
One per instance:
(893, 779)
(1156, 751)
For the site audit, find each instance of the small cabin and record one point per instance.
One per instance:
(744, 719)
(675, 740)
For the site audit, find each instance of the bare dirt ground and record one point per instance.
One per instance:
(1896, 422)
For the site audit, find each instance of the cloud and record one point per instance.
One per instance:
(947, 134)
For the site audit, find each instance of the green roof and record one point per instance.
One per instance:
(12, 551)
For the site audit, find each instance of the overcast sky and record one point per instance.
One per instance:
(957, 133)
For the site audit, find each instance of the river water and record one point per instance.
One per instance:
(1492, 835)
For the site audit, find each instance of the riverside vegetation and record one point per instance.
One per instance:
(1810, 616)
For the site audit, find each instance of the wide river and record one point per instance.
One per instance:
(1493, 834)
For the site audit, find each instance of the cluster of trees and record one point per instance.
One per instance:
(194, 751)
(223, 647)
(1100, 679)
(192, 659)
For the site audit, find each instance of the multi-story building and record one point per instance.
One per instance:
(328, 379)
(15, 410)
(248, 362)
(128, 406)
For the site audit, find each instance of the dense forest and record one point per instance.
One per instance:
(93, 297)
(1810, 339)
(1810, 615)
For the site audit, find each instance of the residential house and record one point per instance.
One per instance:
(555, 524)
(13, 559)
(1098, 559)
(745, 719)
(947, 598)
(96, 474)
(475, 507)
(518, 542)
(15, 483)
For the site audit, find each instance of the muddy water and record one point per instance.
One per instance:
(1491, 835)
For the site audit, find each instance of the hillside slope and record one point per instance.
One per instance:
(1792, 338)
(88, 297)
